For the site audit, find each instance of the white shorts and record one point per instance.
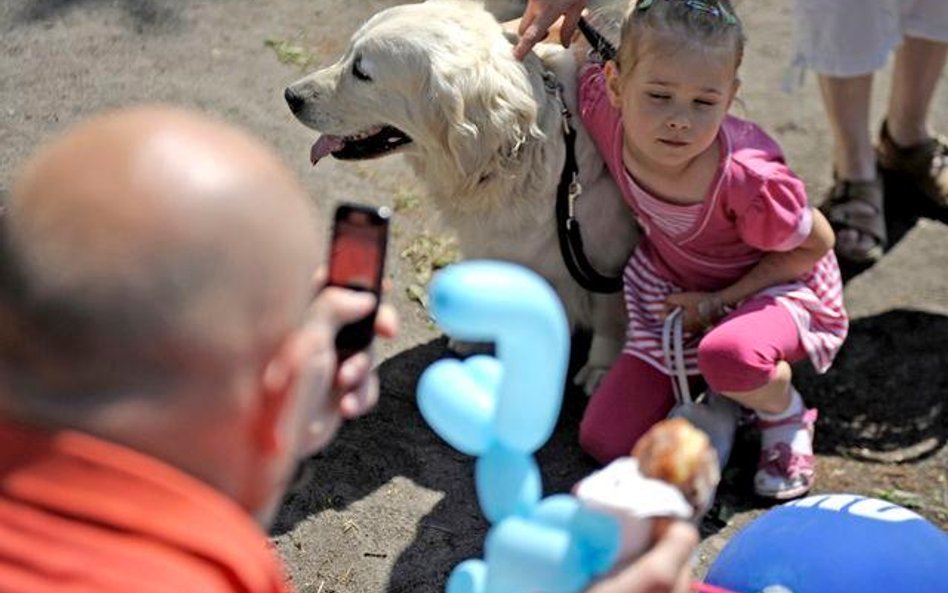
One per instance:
(855, 37)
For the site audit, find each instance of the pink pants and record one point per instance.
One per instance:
(739, 354)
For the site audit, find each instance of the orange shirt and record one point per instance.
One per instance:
(81, 514)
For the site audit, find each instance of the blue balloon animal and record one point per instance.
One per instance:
(502, 409)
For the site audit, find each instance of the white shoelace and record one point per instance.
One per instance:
(674, 351)
(715, 415)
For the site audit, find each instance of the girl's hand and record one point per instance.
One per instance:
(700, 310)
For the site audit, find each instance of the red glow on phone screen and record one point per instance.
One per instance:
(354, 261)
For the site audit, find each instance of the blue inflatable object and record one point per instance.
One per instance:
(484, 301)
(835, 543)
(502, 409)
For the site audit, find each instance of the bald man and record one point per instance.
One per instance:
(163, 365)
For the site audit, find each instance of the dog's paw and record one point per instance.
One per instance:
(589, 377)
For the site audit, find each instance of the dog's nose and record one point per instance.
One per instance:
(293, 99)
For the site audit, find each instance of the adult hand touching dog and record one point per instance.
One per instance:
(540, 15)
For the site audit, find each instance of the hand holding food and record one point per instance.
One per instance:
(676, 452)
(672, 474)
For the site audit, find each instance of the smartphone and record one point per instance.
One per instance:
(357, 262)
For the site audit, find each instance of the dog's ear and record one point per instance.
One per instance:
(490, 109)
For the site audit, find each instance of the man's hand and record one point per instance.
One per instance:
(665, 568)
(540, 15)
(354, 385)
(332, 391)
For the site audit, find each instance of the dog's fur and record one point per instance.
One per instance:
(487, 141)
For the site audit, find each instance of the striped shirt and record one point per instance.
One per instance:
(671, 218)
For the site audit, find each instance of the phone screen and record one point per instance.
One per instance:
(357, 262)
(357, 252)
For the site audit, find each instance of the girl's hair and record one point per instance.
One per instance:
(695, 24)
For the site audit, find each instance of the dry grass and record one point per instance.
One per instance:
(425, 255)
(291, 54)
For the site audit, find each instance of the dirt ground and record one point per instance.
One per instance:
(389, 506)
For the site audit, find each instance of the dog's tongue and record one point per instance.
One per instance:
(324, 145)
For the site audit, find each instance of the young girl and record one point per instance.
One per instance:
(729, 237)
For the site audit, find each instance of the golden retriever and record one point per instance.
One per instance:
(438, 83)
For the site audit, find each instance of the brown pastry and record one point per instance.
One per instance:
(676, 452)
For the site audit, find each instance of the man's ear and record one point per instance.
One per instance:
(299, 410)
(613, 83)
(273, 400)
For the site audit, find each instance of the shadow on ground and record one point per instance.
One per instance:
(883, 397)
(395, 441)
(143, 15)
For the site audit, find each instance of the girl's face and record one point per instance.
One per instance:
(672, 102)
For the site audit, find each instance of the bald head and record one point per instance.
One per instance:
(146, 246)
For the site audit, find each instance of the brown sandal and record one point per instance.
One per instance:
(925, 164)
(842, 210)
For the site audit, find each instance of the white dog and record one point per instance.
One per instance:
(438, 82)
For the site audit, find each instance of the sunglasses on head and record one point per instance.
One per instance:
(712, 8)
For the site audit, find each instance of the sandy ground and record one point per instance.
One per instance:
(390, 507)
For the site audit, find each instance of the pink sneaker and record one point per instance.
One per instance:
(783, 473)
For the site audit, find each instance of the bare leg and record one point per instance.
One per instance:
(846, 101)
(786, 439)
(918, 64)
(772, 398)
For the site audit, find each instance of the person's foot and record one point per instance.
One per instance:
(925, 164)
(786, 466)
(855, 210)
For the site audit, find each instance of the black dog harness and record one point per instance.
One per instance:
(569, 188)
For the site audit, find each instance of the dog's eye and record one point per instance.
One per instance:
(357, 70)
